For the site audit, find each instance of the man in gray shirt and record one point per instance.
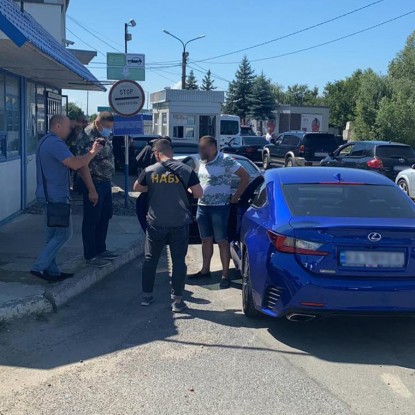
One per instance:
(167, 183)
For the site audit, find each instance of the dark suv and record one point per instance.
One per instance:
(298, 148)
(383, 157)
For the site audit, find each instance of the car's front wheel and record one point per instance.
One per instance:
(404, 186)
(289, 162)
(248, 306)
(266, 161)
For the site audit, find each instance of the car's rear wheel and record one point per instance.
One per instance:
(248, 306)
(266, 161)
(289, 162)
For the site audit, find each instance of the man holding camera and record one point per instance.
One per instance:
(97, 190)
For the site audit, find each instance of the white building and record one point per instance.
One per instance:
(34, 68)
(187, 114)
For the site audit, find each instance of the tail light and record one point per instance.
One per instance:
(301, 149)
(375, 164)
(291, 245)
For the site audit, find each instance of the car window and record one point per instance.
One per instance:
(343, 200)
(286, 140)
(251, 168)
(255, 141)
(260, 198)
(391, 151)
(320, 142)
(359, 150)
(346, 151)
(236, 141)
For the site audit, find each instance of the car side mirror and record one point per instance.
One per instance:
(331, 155)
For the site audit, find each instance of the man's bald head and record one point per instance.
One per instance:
(60, 125)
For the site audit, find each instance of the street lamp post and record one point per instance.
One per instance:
(128, 36)
(185, 54)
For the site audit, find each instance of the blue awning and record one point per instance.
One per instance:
(31, 51)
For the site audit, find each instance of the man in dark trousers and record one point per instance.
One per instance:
(167, 183)
(97, 190)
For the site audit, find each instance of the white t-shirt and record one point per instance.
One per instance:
(216, 179)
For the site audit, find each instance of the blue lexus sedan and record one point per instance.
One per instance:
(323, 241)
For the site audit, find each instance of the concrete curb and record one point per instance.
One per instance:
(59, 294)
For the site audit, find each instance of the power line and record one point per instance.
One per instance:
(204, 71)
(320, 44)
(293, 33)
(85, 43)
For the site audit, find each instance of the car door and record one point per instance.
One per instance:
(273, 147)
(355, 159)
(232, 146)
(282, 149)
(337, 159)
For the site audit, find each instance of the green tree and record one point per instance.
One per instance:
(191, 81)
(403, 66)
(262, 100)
(207, 82)
(301, 94)
(278, 92)
(372, 89)
(240, 90)
(93, 117)
(74, 112)
(340, 97)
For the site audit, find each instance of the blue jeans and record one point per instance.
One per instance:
(55, 239)
(213, 222)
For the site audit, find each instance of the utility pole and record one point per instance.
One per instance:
(128, 36)
(185, 54)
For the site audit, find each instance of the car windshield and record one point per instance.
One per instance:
(185, 148)
(251, 168)
(343, 200)
(321, 142)
(391, 151)
(254, 141)
(229, 127)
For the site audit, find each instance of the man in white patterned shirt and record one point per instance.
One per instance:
(215, 171)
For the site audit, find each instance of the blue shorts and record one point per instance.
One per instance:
(213, 222)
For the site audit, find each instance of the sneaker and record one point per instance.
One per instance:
(178, 307)
(224, 283)
(98, 262)
(200, 275)
(146, 301)
(46, 277)
(62, 276)
(110, 255)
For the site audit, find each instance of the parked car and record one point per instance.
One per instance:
(254, 173)
(383, 157)
(298, 148)
(333, 241)
(248, 146)
(406, 181)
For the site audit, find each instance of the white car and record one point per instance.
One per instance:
(406, 181)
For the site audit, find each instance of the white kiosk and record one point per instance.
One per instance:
(187, 115)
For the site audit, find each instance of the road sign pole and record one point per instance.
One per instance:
(126, 170)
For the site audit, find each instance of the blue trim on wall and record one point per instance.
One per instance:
(23, 142)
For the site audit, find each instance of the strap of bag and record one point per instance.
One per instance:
(45, 189)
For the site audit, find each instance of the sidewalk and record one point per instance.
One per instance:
(20, 240)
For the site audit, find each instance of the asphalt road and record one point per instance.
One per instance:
(105, 354)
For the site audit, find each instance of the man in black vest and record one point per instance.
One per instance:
(167, 183)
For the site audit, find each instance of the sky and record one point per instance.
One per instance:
(231, 25)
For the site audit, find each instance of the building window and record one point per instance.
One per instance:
(156, 123)
(40, 111)
(164, 123)
(31, 120)
(178, 132)
(12, 117)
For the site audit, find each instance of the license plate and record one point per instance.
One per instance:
(321, 154)
(400, 168)
(377, 259)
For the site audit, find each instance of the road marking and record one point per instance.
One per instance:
(396, 385)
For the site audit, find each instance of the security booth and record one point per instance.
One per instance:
(187, 115)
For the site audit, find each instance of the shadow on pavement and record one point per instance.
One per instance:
(364, 340)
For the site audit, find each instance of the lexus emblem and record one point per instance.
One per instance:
(374, 237)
